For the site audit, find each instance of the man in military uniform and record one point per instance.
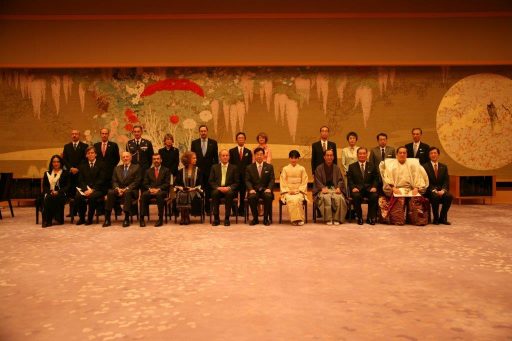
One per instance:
(141, 149)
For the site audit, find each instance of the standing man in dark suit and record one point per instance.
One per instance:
(107, 152)
(224, 179)
(207, 154)
(125, 185)
(418, 149)
(91, 182)
(156, 185)
(170, 155)
(241, 157)
(259, 180)
(438, 186)
(73, 155)
(382, 151)
(318, 148)
(141, 149)
(363, 179)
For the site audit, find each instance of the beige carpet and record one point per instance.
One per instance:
(241, 283)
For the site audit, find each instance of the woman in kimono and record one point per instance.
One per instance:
(294, 184)
(188, 188)
(55, 186)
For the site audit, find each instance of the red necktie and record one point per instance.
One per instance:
(241, 153)
(156, 173)
(435, 169)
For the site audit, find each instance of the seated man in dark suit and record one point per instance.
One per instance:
(438, 185)
(156, 184)
(259, 180)
(91, 182)
(224, 183)
(417, 149)
(363, 179)
(125, 185)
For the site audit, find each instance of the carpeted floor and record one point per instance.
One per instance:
(242, 283)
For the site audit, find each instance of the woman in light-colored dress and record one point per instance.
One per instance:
(349, 154)
(294, 184)
(262, 139)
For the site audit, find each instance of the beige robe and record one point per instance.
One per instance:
(405, 177)
(294, 179)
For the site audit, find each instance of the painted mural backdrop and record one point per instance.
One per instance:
(466, 111)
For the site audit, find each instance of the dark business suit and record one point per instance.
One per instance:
(241, 164)
(441, 182)
(254, 182)
(110, 159)
(317, 154)
(231, 181)
(170, 159)
(142, 154)
(53, 205)
(205, 163)
(72, 159)
(421, 154)
(364, 183)
(131, 181)
(93, 178)
(151, 181)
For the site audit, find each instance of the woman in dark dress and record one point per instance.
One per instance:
(55, 186)
(188, 188)
(170, 155)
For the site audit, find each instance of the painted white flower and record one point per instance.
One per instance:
(189, 123)
(135, 100)
(205, 115)
(206, 102)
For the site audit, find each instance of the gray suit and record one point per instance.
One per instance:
(376, 155)
(131, 181)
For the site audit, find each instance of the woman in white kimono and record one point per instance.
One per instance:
(294, 184)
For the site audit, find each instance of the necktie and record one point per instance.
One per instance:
(74, 146)
(224, 172)
(91, 164)
(156, 173)
(415, 149)
(435, 169)
(203, 147)
(138, 143)
(382, 154)
(259, 170)
(125, 172)
(104, 149)
(362, 169)
(324, 146)
(241, 153)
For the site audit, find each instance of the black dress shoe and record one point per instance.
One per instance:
(88, 222)
(159, 223)
(372, 221)
(254, 222)
(126, 223)
(435, 222)
(142, 223)
(80, 222)
(359, 221)
(216, 222)
(107, 223)
(44, 225)
(226, 222)
(445, 222)
(266, 222)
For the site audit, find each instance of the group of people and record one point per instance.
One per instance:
(397, 184)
